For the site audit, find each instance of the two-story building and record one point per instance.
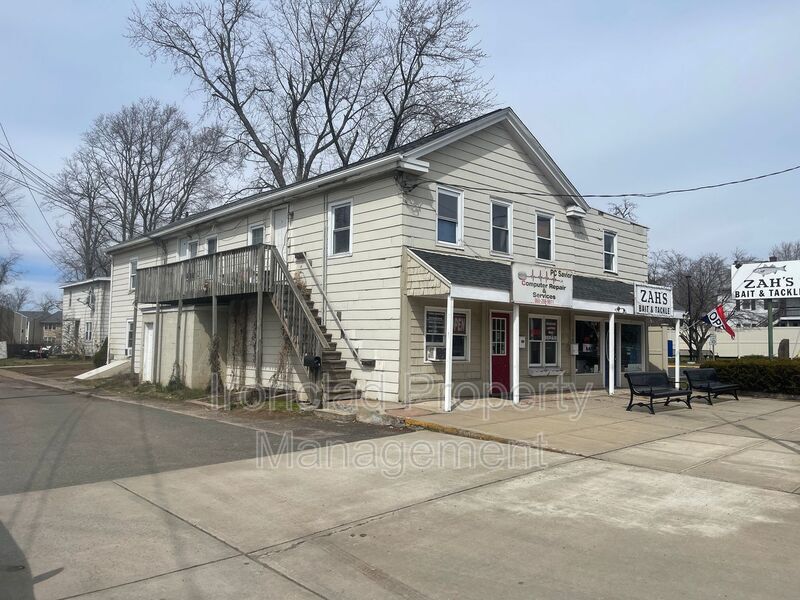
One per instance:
(85, 311)
(462, 264)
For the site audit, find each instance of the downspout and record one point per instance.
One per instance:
(110, 310)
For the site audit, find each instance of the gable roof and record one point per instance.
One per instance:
(403, 156)
(55, 317)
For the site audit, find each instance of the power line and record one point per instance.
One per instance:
(523, 192)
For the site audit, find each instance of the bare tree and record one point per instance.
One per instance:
(8, 269)
(706, 278)
(16, 298)
(625, 209)
(786, 251)
(87, 232)
(307, 85)
(48, 303)
(8, 199)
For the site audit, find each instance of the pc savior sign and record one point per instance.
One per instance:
(766, 280)
(652, 300)
(541, 285)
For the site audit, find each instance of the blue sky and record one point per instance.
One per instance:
(626, 96)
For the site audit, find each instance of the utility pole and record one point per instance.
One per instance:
(690, 320)
(771, 354)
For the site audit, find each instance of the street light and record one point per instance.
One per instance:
(690, 325)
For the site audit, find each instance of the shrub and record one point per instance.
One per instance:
(101, 355)
(759, 374)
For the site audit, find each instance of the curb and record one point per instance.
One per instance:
(486, 437)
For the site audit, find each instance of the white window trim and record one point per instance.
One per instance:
(331, 208)
(128, 328)
(131, 288)
(467, 342)
(250, 233)
(544, 364)
(459, 221)
(87, 331)
(216, 239)
(183, 247)
(510, 207)
(552, 218)
(614, 251)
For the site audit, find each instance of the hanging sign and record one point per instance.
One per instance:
(652, 300)
(541, 286)
(767, 280)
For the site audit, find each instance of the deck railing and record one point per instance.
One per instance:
(236, 273)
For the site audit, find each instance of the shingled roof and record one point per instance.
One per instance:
(460, 270)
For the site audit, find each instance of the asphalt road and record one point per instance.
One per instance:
(51, 439)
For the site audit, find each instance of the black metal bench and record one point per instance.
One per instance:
(707, 382)
(655, 385)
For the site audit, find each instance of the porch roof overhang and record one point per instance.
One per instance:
(477, 279)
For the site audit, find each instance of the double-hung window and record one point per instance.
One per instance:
(543, 341)
(501, 227)
(449, 216)
(187, 248)
(610, 251)
(435, 332)
(256, 235)
(132, 278)
(87, 332)
(545, 229)
(340, 229)
(211, 245)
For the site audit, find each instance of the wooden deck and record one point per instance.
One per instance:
(227, 273)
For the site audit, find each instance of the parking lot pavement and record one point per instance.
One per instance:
(413, 515)
(50, 438)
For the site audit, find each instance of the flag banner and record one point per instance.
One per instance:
(716, 318)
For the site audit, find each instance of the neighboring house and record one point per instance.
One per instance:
(51, 329)
(34, 333)
(787, 312)
(746, 313)
(387, 249)
(85, 312)
(13, 326)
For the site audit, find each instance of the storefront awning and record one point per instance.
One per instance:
(476, 279)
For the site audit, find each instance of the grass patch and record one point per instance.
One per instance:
(52, 360)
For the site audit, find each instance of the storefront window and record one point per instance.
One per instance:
(543, 338)
(631, 347)
(435, 335)
(587, 336)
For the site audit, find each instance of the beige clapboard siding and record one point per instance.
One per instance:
(493, 159)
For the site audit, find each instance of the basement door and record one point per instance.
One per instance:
(280, 229)
(148, 346)
(500, 361)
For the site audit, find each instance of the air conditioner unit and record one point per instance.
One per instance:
(127, 352)
(436, 353)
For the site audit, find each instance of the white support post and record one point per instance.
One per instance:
(676, 350)
(448, 356)
(514, 341)
(612, 355)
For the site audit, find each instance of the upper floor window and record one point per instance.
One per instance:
(132, 278)
(545, 230)
(501, 227)
(211, 245)
(187, 248)
(69, 299)
(449, 216)
(340, 228)
(256, 234)
(610, 251)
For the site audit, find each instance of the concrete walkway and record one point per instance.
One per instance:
(754, 441)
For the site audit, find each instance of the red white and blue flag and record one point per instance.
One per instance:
(716, 318)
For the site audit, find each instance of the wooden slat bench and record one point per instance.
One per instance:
(707, 382)
(654, 385)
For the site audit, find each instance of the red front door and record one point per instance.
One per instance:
(499, 342)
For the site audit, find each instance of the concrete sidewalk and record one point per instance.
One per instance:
(755, 441)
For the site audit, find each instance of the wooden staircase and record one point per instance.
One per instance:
(337, 384)
(303, 326)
